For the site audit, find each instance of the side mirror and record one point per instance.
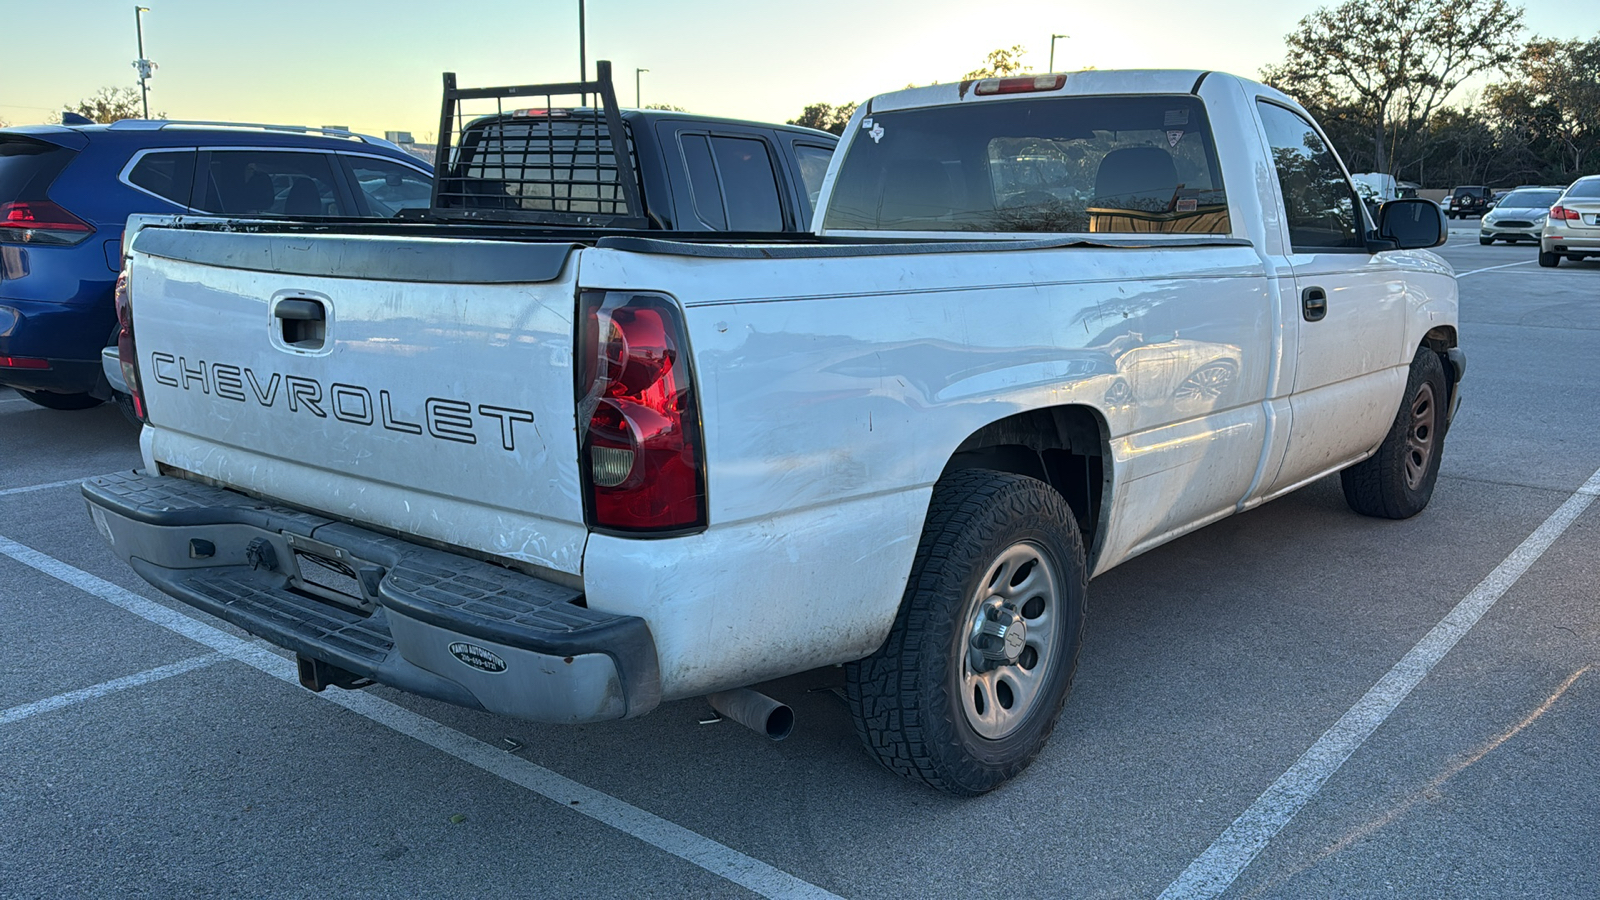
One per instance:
(1412, 223)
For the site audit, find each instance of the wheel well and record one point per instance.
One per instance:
(1440, 339)
(1063, 446)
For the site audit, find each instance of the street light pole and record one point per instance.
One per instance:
(583, 52)
(636, 102)
(1053, 39)
(143, 65)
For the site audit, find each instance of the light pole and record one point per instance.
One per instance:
(636, 73)
(583, 53)
(142, 64)
(1053, 39)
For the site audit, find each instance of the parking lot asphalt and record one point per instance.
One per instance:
(149, 750)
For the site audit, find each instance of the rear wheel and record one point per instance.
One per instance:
(1397, 481)
(61, 401)
(973, 676)
(1549, 260)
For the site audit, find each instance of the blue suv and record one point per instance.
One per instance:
(67, 190)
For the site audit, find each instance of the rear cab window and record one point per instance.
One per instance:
(269, 182)
(544, 163)
(1097, 165)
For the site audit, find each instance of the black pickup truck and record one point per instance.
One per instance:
(556, 166)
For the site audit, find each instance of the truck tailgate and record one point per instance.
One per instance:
(414, 384)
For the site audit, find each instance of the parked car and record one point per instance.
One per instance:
(66, 192)
(1518, 216)
(903, 443)
(1573, 228)
(1470, 200)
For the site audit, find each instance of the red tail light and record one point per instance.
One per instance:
(1561, 212)
(127, 353)
(40, 222)
(638, 415)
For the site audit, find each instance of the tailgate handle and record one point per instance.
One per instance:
(302, 310)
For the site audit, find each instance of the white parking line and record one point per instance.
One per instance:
(71, 698)
(1214, 870)
(1492, 268)
(716, 858)
(44, 487)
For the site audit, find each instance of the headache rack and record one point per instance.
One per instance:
(546, 165)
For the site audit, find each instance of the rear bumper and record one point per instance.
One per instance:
(428, 622)
(65, 376)
(1457, 366)
(1560, 242)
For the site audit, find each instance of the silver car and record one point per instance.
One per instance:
(1519, 216)
(1573, 229)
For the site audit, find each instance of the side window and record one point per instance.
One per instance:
(750, 187)
(168, 175)
(390, 187)
(703, 185)
(813, 161)
(1318, 200)
(266, 182)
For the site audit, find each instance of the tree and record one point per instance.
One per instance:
(826, 117)
(666, 106)
(1554, 96)
(109, 104)
(1000, 63)
(1396, 61)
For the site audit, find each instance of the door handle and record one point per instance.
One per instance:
(1314, 304)
(302, 310)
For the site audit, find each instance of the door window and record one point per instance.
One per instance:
(390, 187)
(1319, 203)
(750, 187)
(265, 182)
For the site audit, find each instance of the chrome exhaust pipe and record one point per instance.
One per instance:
(758, 712)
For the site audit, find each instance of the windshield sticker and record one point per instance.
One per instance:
(876, 133)
(1176, 117)
(1188, 204)
(1173, 137)
(866, 124)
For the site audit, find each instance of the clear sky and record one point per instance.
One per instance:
(374, 65)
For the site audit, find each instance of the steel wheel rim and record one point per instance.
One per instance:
(1420, 437)
(996, 700)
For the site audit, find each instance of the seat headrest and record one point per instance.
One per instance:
(1133, 177)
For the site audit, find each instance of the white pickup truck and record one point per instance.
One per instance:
(1043, 324)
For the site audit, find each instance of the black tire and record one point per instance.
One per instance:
(1485, 241)
(909, 699)
(1397, 481)
(61, 401)
(1549, 260)
(125, 404)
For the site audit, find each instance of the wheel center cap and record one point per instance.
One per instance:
(1016, 636)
